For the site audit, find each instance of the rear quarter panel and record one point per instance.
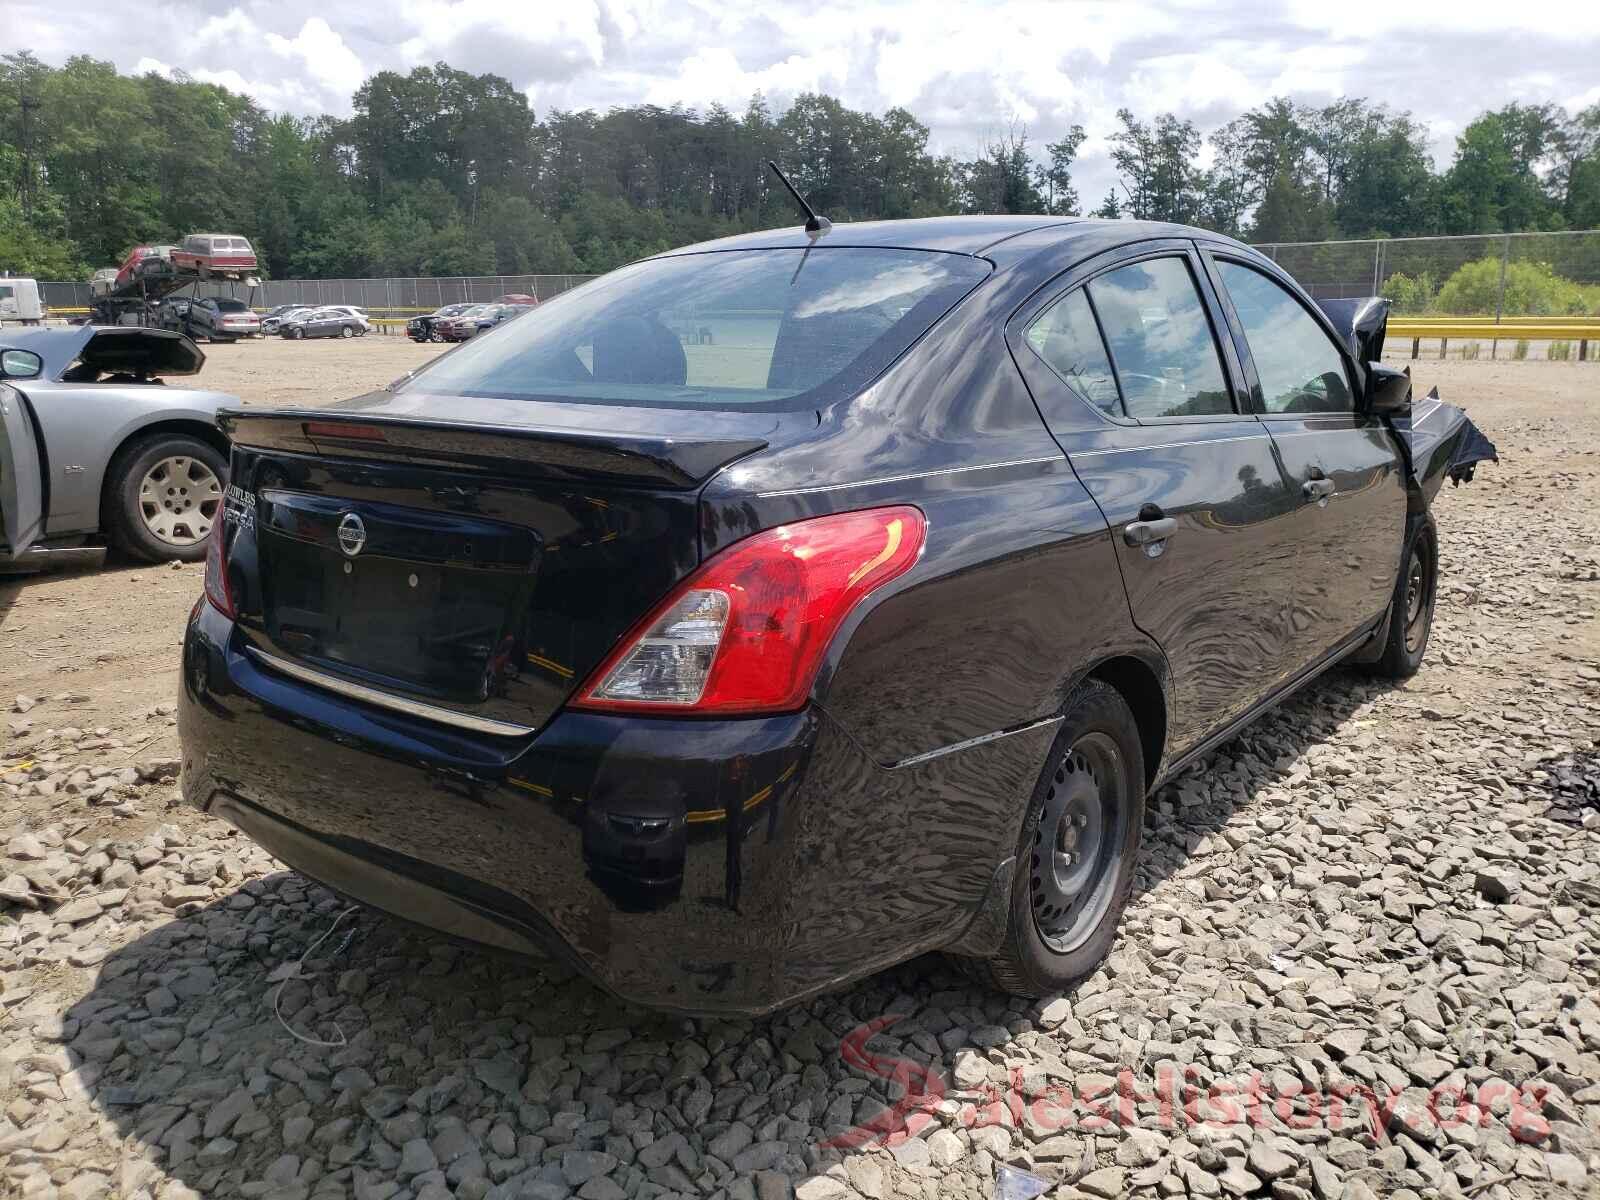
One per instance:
(84, 425)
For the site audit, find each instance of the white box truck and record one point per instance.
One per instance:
(19, 300)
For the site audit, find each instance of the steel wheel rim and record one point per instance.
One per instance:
(1419, 598)
(179, 499)
(1077, 841)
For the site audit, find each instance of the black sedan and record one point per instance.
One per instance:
(422, 329)
(771, 611)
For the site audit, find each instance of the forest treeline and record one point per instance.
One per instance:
(443, 172)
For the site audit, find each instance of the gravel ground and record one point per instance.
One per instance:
(1363, 958)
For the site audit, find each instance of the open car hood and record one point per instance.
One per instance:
(1441, 441)
(1361, 323)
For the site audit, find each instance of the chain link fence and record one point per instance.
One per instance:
(380, 297)
(1481, 275)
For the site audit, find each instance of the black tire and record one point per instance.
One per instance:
(1416, 590)
(436, 336)
(347, 331)
(296, 334)
(122, 507)
(1048, 949)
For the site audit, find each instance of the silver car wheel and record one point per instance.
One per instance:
(179, 499)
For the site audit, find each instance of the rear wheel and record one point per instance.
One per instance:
(163, 495)
(347, 331)
(1080, 839)
(1411, 610)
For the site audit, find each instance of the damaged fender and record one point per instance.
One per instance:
(1440, 441)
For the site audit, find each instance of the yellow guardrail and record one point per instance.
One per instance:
(1475, 332)
(1490, 322)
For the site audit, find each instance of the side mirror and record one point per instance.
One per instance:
(1388, 390)
(20, 364)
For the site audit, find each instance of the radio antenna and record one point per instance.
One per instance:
(816, 225)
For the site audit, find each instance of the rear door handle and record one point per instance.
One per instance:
(1145, 533)
(1317, 489)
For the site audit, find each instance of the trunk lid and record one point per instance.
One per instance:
(480, 565)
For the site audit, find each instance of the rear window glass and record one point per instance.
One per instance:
(233, 306)
(737, 329)
(1066, 337)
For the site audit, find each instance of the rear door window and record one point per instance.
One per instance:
(735, 329)
(1300, 369)
(1162, 347)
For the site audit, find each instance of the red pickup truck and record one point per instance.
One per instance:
(209, 254)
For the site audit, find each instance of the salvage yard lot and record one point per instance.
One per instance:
(1377, 912)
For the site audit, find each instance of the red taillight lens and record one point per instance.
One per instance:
(746, 633)
(217, 589)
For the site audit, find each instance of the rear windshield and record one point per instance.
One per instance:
(234, 306)
(736, 329)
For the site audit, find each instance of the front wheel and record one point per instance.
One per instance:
(436, 336)
(163, 495)
(1080, 840)
(1411, 610)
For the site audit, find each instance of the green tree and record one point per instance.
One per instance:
(1494, 184)
(1157, 165)
(1055, 174)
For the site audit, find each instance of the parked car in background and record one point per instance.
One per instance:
(145, 263)
(860, 630)
(210, 255)
(103, 282)
(477, 319)
(519, 298)
(355, 313)
(274, 317)
(93, 449)
(462, 325)
(425, 328)
(322, 322)
(173, 313)
(222, 319)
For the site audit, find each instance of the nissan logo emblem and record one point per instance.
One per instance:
(352, 534)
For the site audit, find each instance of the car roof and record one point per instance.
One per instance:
(960, 235)
(972, 235)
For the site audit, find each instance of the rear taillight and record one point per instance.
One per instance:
(747, 632)
(217, 589)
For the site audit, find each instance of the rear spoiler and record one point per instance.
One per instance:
(683, 453)
(1361, 323)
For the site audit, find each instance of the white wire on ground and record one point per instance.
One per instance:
(283, 974)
